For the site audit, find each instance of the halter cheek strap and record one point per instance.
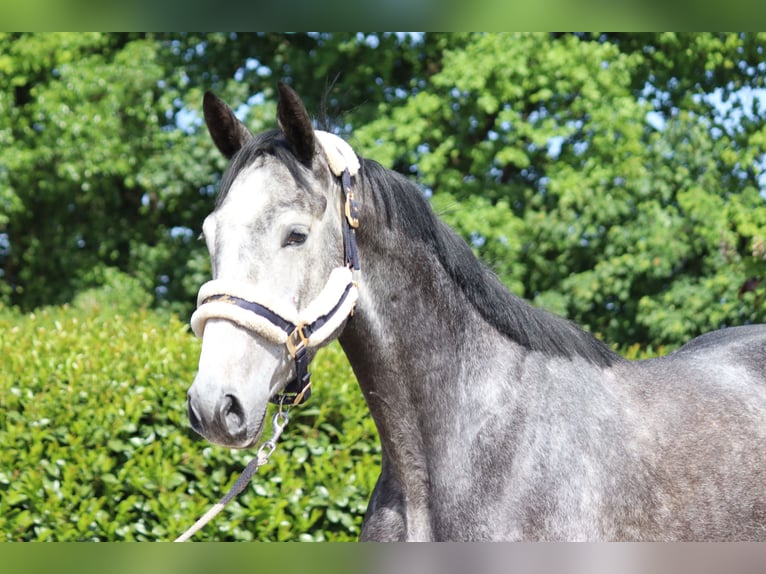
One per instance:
(252, 309)
(344, 164)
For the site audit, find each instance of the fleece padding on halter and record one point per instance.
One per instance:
(326, 312)
(339, 154)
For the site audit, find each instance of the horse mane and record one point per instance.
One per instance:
(400, 203)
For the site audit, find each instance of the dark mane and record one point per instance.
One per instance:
(398, 202)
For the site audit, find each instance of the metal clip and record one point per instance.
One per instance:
(278, 423)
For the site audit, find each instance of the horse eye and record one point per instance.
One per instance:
(295, 238)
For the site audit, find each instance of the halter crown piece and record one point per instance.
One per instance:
(280, 322)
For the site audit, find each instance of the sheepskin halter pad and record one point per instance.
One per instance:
(280, 322)
(274, 320)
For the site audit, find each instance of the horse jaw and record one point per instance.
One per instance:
(237, 374)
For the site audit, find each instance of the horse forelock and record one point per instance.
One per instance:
(271, 143)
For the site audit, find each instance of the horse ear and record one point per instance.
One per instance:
(228, 133)
(295, 122)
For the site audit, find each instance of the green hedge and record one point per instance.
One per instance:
(95, 443)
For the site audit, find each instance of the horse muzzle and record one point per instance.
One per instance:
(223, 421)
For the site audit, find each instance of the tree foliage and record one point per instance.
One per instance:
(615, 178)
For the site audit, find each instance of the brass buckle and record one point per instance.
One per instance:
(296, 340)
(352, 210)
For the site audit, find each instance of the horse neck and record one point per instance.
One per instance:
(419, 349)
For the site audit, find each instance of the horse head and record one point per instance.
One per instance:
(280, 286)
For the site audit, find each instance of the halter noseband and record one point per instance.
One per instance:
(316, 323)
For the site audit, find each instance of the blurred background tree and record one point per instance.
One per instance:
(616, 179)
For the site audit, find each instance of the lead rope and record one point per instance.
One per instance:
(278, 423)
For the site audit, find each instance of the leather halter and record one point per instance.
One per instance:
(301, 332)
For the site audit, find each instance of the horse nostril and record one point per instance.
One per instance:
(232, 414)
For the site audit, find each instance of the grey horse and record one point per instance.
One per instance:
(497, 420)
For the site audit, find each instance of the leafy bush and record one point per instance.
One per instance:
(95, 443)
(117, 291)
